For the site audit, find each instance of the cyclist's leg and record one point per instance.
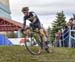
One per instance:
(45, 39)
(45, 31)
(42, 31)
(36, 26)
(44, 34)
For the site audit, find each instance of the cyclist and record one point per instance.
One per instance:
(35, 23)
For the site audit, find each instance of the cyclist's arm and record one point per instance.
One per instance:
(24, 23)
(34, 16)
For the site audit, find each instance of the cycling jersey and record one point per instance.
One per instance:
(32, 17)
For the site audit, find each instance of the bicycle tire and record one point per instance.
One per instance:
(39, 47)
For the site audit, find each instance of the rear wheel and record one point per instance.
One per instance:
(34, 44)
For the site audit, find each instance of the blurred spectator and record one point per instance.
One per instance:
(73, 21)
(58, 35)
(65, 31)
(70, 23)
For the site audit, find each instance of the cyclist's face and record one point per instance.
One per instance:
(25, 13)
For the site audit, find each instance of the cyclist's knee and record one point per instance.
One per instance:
(46, 33)
(27, 31)
(42, 32)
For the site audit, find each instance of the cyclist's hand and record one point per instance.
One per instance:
(23, 29)
(26, 28)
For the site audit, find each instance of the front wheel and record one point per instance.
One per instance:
(34, 44)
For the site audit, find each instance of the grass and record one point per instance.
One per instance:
(20, 54)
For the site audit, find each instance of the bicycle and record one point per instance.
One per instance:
(34, 41)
